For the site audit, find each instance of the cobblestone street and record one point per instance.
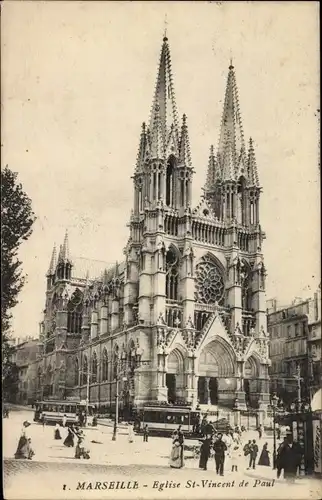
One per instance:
(146, 463)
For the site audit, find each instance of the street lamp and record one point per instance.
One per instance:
(274, 402)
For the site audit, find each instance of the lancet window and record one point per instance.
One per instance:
(94, 368)
(104, 366)
(172, 275)
(84, 371)
(74, 312)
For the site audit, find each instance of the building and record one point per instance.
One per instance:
(295, 346)
(25, 354)
(183, 317)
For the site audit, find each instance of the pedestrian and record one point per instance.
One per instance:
(264, 457)
(64, 420)
(278, 432)
(145, 433)
(69, 441)
(94, 422)
(235, 457)
(260, 431)
(205, 452)
(253, 455)
(130, 432)
(281, 456)
(24, 449)
(219, 449)
(176, 455)
(57, 432)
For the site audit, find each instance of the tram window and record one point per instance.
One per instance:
(73, 409)
(67, 409)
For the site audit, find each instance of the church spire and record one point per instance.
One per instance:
(164, 115)
(65, 249)
(142, 150)
(252, 173)
(53, 262)
(184, 144)
(213, 171)
(231, 148)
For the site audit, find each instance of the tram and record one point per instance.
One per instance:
(52, 412)
(166, 419)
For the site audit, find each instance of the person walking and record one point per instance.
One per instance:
(260, 431)
(205, 452)
(145, 433)
(264, 457)
(176, 455)
(130, 433)
(57, 432)
(219, 449)
(64, 420)
(253, 455)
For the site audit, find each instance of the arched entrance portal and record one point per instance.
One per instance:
(175, 377)
(251, 381)
(216, 382)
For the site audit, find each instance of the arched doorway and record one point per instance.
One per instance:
(251, 381)
(216, 382)
(175, 376)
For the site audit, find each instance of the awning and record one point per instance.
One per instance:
(316, 403)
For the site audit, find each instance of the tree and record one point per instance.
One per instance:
(17, 219)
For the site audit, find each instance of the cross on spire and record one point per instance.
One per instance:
(165, 33)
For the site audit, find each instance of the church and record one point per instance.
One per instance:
(181, 318)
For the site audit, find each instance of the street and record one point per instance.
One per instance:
(54, 473)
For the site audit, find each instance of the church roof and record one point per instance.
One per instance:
(88, 268)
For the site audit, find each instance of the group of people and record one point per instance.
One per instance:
(289, 457)
(81, 449)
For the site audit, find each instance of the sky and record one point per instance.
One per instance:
(77, 82)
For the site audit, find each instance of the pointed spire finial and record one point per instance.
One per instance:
(53, 262)
(165, 33)
(65, 249)
(252, 165)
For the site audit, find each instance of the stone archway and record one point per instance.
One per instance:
(251, 381)
(175, 377)
(216, 373)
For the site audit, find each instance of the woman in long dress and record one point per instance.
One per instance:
(130, 433)
(205, 452)
(176, 455)
(69, 441)
(264, 458)
(57, 432)
(24, 449)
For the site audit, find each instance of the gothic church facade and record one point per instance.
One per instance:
(183, 317)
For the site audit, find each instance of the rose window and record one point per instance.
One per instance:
(209, 283)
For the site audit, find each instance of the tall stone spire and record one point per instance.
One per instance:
(142, 150)
(231, 148)
(252, 173)
(53, 262)
(65, 248)
(213, 171)
(164, 115)
(184, 144)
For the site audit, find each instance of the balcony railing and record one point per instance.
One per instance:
(248, 322)
(173, 314)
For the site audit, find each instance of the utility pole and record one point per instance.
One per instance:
(298, 378)
(87, 392)
(116, 409)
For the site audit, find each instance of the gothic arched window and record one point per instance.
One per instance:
(84, 371)
(241, 201)
(210, 287)
(74, 312)
(104, 366)
(246, 291)
(172, 275)
(169, 190)
(76, 373)
(94, 368)
(115, 362)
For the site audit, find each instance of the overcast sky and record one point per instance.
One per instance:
(78, 80)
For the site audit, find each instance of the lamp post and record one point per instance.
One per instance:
(121, 369)
(274, 406)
